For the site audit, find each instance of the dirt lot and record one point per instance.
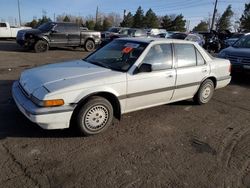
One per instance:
(177, 145)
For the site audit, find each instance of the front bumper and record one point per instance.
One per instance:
(47, 118)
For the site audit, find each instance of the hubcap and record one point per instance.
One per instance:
(90, 45)
(42, 47)
(96, 118)
(206, 92)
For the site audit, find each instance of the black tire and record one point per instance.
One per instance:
(89, 45)
(41, 46)
(95, 116)
(205, 92)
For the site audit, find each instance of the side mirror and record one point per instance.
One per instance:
(145, 68)
(54, 31)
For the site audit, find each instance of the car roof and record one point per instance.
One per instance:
(151, 40)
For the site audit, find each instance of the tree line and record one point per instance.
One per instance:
(151, 20)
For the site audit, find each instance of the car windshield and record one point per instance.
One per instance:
(46, 26)
(118, 55)
(243, 42)
(114, 29)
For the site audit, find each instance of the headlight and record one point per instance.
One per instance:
(47, 103)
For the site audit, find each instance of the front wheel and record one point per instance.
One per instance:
(89, 45)
(95, 116)
(41, 46)
(205, 92)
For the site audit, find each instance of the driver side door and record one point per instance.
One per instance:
(59, 35)
(147, 89)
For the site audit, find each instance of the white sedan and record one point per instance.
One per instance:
(126, 75)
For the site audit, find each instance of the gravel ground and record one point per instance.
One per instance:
(177, 145)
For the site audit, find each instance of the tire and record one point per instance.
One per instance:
(41, 46)
(205, 92)
(89, 45)
(95, 116)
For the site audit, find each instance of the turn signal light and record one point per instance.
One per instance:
(50, 103)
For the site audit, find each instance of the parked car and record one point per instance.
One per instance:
(56, 34)
(230, 41)
(126, 32)
(238, 54)
(126, 75)
(196, 38)
(212, 41)
(7, 31)
(112, 30)
(155, 32)
(178, 35)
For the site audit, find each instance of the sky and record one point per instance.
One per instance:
(192, 10)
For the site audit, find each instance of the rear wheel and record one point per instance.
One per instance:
(95, 116)
(41, 46)
(205, 92)
(89, 45)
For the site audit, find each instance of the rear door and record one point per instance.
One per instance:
(73, 34)
(59, 35)
(191, 70)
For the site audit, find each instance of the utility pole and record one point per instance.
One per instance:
(97, 13)
(124, 13)
(215, 10)
(19, 14)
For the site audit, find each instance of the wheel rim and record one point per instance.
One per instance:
(206, 92)
(96, 118)
(42, 47)
(90, 45)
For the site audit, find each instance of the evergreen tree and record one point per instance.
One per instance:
(90, 24)
(98, 26)
(106, 24)
(43, 20)
(179, 23)
(166, 22)
(225, 19)
(138, 18)
(151, 20)
(32, 24)
(202, 26)
(174, 23)
(66, 19)
(128, 20)
(245, 18)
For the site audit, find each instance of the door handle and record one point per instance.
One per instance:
(169, 75)
(204, 70)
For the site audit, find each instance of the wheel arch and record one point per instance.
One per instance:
(214, 80)
(114, 101)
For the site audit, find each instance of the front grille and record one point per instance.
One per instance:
(238, 59)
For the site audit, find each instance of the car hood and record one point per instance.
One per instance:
(232, 51)
(31, 31)
(54, 77)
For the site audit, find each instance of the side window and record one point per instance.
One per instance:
(60, 28)
(3, 25)
(160, 57)
(200, 59)
(185, 55)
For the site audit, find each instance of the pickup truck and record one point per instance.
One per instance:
(126, 75)
(56, 34)
(7, 31)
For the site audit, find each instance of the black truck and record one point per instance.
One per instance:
(57, 34)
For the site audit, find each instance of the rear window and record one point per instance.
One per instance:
(3, 25)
